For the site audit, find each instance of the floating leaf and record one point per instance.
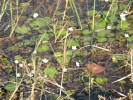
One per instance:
(95, 68)
(57, 54)
(100, 24)
(43, 48)
(67, 60)
(101, 80)
(10, 87)
(130, 45)
(51, 71)
(73, 42)
(62, 33)
(86, 31)
(111, 40)
(130, 39)
(103, 39)
(18, 57)
(90, 12)
(22, 29)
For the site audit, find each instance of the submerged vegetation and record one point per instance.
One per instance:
(66, 50)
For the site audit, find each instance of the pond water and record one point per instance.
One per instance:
(108, 49)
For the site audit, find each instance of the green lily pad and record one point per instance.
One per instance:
(26, 42)
(10, 87)
(43, 48)
(22, 29)
(18, 57)
(100, 24)
(103, 33)
(73, 42)
(130, 39)
(86, 31)
(51, 71)
(61, 33)
(123, 25)
(90, 13)
(103, 39)
(111, 40)
(58, 54)
(60, 59)
(37, 23)
(109, 34)
(130, 45)
(101, 80)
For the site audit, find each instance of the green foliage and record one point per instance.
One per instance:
(90, 13)
(73, 42)
(18, 57)
(51, 71)
(10, 87)
(86, 31)
(22, 29)
(102, 39)
(43, 48)
(101, 80)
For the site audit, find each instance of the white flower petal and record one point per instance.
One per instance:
(108, 27)
(74, 48)
(20, 65)
(77, 64)
(70, 29)
(16, 61)
(64, 70)
(45, 60)
(18, 75)
(106, 0)
(35, 15)
(29, 64)
(126, 35)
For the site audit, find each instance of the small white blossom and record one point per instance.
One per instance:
(70, 29)
(30, 75)
(64, 70)
(123, 16)
(29, 64)
(77, 64)
(126, 35)
(35, 15)
(109, 27)
(34, 52)
(20, 65)
(32, 71)
(16, 61)
(106, 0)
(74, 48)
(45, 60)
(18, 75)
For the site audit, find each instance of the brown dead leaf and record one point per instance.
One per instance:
(95, 68)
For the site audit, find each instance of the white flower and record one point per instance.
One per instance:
(18, 75)
(30, 75)
(34, 52)
(16, 61)
(29, 64)
(64, 70)
(70, 29)
(126, 35)
(20, 65)
(123, 16)
(45, 60)
(35, 15)
(32, 71)
(106, 0)
(108, 27)
(77, 64)
(74, 48)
